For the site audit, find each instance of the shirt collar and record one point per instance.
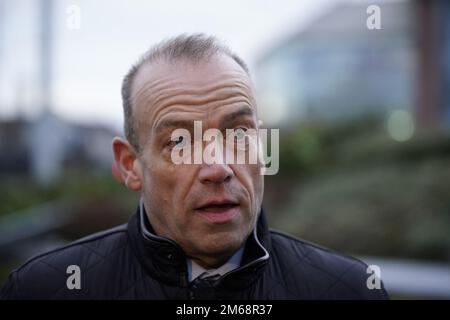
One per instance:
(164, 259)
(195, 270)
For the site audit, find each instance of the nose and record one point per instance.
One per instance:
(215, 173)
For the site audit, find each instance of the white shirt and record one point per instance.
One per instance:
(195, 270)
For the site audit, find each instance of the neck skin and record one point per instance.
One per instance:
(213, 262)
(207, 261)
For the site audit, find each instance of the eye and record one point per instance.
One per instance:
(240, 134)
(177, 141)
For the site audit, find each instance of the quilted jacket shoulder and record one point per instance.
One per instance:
(119, 264)
(99, 256)
(314, 272)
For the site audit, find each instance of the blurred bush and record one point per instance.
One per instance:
(352, 188)
(38, 218)
(20, 192)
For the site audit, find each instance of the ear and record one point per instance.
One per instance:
(126, 166)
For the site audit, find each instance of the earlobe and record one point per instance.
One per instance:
(115, 171)
(125, 166)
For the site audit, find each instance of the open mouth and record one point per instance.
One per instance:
(218, 207)
(218, 212)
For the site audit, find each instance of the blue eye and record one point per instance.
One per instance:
(178, 141)
(240, 134)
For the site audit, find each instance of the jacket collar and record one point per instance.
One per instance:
(164, 260)
(195, 270)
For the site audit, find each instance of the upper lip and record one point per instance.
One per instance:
(218, 202)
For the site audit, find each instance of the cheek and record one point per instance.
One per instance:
(258, 187)
(167, 184)
(252, 181)
(156, 182)
(160, 185)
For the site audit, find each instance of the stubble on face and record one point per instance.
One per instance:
(173, 193)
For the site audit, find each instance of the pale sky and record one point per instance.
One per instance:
(89, 62)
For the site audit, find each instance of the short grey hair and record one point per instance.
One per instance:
(194, 48)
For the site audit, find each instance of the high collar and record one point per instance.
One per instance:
(195, 270)
(164, 260)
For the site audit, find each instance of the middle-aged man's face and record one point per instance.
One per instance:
(209, 210)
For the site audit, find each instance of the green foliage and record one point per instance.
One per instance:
(21, 192)
(354, 189)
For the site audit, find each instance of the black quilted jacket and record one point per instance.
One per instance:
(130, 262)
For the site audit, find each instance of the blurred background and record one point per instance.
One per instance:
(360, 95)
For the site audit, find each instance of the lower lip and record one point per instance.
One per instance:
(219, 215)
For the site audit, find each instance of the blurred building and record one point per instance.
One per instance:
(337, 68)
(433, 104)
(44, 147)
(47, 145)
(14, 157)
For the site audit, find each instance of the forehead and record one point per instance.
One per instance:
(160, 88)
(194, 73)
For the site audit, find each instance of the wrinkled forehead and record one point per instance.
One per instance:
(160, 85)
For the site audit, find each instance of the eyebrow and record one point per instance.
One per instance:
(242, 112)
(173, 123)
(184, 123)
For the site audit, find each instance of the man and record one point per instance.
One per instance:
(199, 231)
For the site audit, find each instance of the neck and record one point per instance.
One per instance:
(212, 262)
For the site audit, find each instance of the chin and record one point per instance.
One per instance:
(222, 243)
